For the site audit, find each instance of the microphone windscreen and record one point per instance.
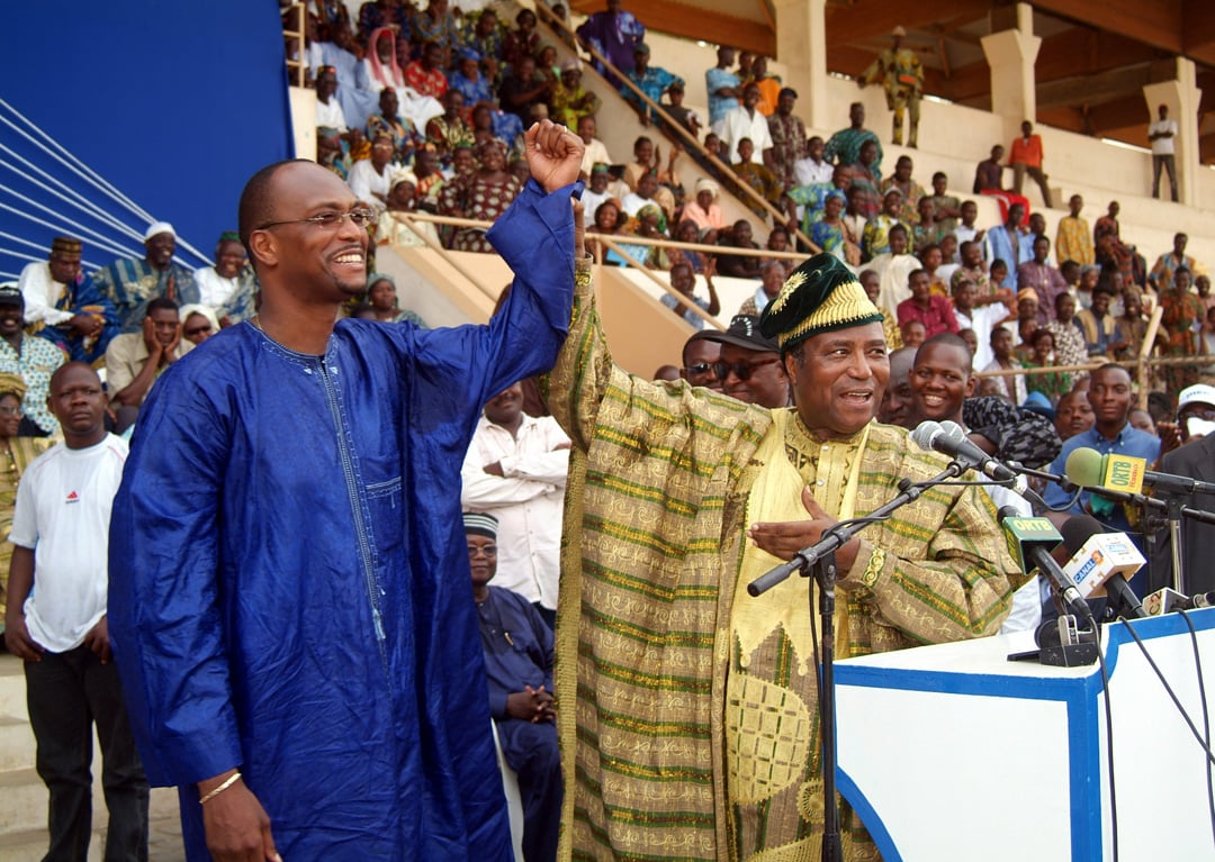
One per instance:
(1084, 467)
(924, 433)
(1078, 529)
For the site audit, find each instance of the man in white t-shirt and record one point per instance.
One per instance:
(1163, 135)
(60, 535)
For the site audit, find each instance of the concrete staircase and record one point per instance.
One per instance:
(23, 797)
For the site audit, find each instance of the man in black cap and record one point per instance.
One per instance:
(749, 367)
(688, 706)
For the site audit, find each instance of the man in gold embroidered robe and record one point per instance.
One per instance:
(688, 721)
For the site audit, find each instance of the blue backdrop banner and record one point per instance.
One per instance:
(119, 113)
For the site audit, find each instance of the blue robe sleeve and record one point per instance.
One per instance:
(164, 609)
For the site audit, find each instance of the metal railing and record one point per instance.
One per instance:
(779, 217)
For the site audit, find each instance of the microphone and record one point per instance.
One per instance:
(1101, 562)
(950, 438)
(1089, 468)
(1030, 541)
(1166, 600)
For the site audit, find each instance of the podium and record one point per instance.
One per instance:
(952, 752)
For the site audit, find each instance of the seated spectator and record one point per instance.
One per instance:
(912, 191)
(389, 122)
(989, 181)
(1070, 348)
(746, 121)
(382, 300)
(772, 279)
(975, 269)
(913, 333)
(64, 306)
(684, 281)
(519, 670)
(198, 323)
(734, 265)
(651, 80)
(946, 207)
(930, 257)
(1027, 311)
(1099, 326)
(1182, 318)
(687, 231)
(686, 117)
(597, 192)
(1012, 386)
(449, 132)
(833, 235)
(403, 198)
(980, 317)
(596, 150)
(1011, 243)
(650, 223)
(484, 34)
(1073, 414)
(217, 283)
(522, 89)
(380, 69)
(810, 201)
(935, 312)
(128, 284)
(328, 111)
(925, 232)
(845, 146)
(789, 145)
(468, 81)
(1052, 384)
(876, 239)
(436, 24)
(425, 75)
(483, 196)
(370, 178)
(21, 450)
(757, 176)
(135, 360)
(950, 260)
(893, 268)
(32, 359)
(523, 40)
(647, 190)
(1046, 281)
(812, 168)
(608, 222)
(330, 153)
(375, 14)
(572, 102)
(1130, 327)
(966, 231)
(1161, 276)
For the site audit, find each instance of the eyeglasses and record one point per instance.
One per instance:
(742, 370)
(360, 217)
(197, 330)
(482, 551)
(699, 368)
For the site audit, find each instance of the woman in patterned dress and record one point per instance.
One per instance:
(483, 195)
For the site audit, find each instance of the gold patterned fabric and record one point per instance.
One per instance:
(654, 688)
(21, 451)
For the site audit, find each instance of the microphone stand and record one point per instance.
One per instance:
(818, 561)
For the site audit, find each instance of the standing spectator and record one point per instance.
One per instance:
(425, 75)
(1130, 328)
(925, 233)
(893, 269)
(1046, 281)
(614, 34)
(934, 312)
(864, 180)
(518, 647)
(756, 175)
(1168, 263)
(515, 470)
(788, 134)
(901, 75)
(1098, 325)
(813, 168)
(844, 147)
(979, 316)
(966, 231)
(686, 117)
(1010, 242)
(1073, 240)
(63, 305)
(135, 360)
(946, 208)
(723, 87)
(31, 358)
(769, 86)
(1184, 315)
(56, 622)
(572, 102)
(1026, 158)
(131, 283)
(651, 80)
(877, 230)
(832, 234)
(1070, 347)
(1163, 135)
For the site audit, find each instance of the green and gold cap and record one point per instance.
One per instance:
(821, 295)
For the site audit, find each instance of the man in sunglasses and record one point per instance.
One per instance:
(749, 367)
(690, 706)
(298, 654)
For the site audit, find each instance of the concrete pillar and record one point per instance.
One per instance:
(801, 44)
(1010, 55)
(1182, 96)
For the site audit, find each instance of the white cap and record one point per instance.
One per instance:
(158, 227)
(1199, 393)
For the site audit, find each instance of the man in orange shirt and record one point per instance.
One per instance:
(1026, 157)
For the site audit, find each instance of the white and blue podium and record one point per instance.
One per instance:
(952, 752)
